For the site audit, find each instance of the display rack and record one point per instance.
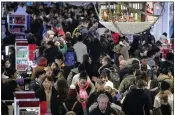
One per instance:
(25, 103)
(17, 24)
(22, 55)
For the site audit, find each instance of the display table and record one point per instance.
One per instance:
(25, 103)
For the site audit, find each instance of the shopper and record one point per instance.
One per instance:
(48, 94)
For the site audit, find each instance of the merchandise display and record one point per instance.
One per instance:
(17, 24)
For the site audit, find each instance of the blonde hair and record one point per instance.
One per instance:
(47, 68)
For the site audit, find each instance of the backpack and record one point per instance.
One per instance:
(115, 78)
(70, 59)
(71, 112)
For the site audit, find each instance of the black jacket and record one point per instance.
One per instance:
(7, 90)
(89, 69)
(108, 111)
(69, 104)
(66, 70)
(93, 97)
(52, 53)
(136, 102)
(42, 96)
(34, 85)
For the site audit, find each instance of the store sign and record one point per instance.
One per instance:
(22, 56)
(128, 18)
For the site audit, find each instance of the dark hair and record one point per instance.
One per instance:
(154, 84)
(38, 73)
(150, 53)
(140, 83)
(13, 83)
(77, 64)
(60, 57)
(80, 38)
(164, 70)
(51, 43)
(83, 75)
(55, 72)
(143, 75)
(10, 72)
(116, 59)
(48, 78)
(138, 72)
(84, 21)
(95, 21)
(133, 68)
(103, 54)
(50, 64)
(62, 88)
(136, 66)
(170, 56)
(165, 34)
(81, 67)
(85, 58)
(105, 73)
(12, 48)
(7, 33)
(164, 85)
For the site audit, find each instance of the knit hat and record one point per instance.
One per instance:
(109, 84)
(42, 61)
(72, 92)
(58, 25)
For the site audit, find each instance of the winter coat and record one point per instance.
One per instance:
(52, 53)
(69, 104)
(108, 111)
(166, 107)
(163, 77)
(124, 52)
(93, 97)
(126, 83)
(71, 75)
(34, 85)
(136, 103)
(123, 73)
(40, 93)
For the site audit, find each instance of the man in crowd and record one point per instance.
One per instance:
(103, 106)
(36, 83)
(80, 49)
(137, 101)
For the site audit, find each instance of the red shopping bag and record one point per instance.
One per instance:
(43, 107)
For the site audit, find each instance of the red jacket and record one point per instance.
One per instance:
(59, 32)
